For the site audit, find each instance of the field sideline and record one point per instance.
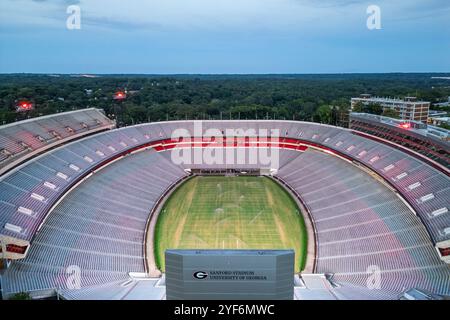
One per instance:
(213, 212)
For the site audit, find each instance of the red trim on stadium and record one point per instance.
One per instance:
(13, 248)
(444, 251)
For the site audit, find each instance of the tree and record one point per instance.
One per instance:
(323, 114)
(296, 97)
(358, 107)
(391, 113)
(444, 125)
(374, 108)
(21, 296)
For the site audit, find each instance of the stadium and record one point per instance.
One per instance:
(87, 210)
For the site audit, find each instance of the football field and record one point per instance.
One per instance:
(216, 212)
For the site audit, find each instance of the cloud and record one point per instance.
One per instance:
(335, 16)
(170, 14)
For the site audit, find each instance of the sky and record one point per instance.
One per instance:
(224, 36)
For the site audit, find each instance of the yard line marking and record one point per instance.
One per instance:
(251, 221)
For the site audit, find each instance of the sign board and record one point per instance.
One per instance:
(230, 274)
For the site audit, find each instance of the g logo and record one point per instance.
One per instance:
(200, 275)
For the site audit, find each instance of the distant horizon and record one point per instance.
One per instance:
(223, 74)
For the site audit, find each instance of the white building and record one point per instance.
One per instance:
(408, 108)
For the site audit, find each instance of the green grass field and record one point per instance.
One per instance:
(230, 213)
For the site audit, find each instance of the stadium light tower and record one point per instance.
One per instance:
(118, 98)
(405, 125)
(120, 95)
(24, 105)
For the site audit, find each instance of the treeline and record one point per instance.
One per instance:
(320, 98)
